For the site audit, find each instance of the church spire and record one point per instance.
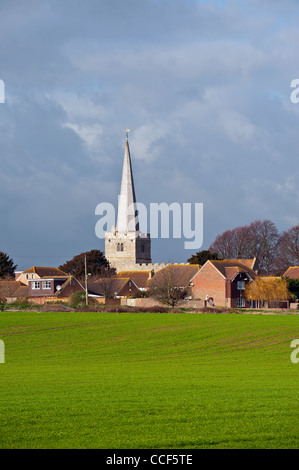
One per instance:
(127, 219)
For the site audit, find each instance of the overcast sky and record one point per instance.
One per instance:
(204, 87)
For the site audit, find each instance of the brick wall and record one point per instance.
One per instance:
(208, 281)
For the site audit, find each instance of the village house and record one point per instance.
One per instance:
(179, 275)
(37, 272)
(113, 287)
(222, 283)
(140, 278)
(11, 291)
(51, 288)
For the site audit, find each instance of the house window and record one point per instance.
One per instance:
(46, 284)
(142, 248)
(35, 285)
(32, 276)
(241, 285)
(240, 302)
(27, 276)
(122, 247)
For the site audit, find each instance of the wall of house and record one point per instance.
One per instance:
(208, 281)
(40, 291)
(22, 277)
(129, 290)
(72, 287)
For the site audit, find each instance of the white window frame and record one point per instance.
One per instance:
(240, 302)
(46, 285)
(35, 285)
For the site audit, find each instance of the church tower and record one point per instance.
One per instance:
(126, 248)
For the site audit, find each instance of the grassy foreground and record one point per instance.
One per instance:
(108, 380)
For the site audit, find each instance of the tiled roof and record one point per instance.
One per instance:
(22, 291)
(42, 271)
(9, 288)
(140, 278)
(249, 263)
(292, 272)
(181, 275)
(98, 287)
(230, 268)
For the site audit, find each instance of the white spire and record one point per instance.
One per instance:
(127, 220)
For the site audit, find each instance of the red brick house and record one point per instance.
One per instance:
(55, 287)
(222, 283)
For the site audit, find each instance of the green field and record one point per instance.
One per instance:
(145, 381)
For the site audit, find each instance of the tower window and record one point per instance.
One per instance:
(142, 248)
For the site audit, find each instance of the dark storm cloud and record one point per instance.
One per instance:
(204, 87)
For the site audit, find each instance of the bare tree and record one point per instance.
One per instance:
(166, 287)
(257, 240)
(289, 248)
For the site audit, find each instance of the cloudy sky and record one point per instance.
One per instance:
(204, 87)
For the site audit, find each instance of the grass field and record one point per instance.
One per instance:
(131, 381)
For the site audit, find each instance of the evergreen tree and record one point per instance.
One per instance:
(96, 263)
(7, 266)
(201, 257)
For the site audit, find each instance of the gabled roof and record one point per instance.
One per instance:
(181, 275)
(249, 263)
(115, 284)
(140, 278)
(230, 268)
(22, 291)
(292, 272)
(9, 288)
(42, 271)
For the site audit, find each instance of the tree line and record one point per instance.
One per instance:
(275, 252)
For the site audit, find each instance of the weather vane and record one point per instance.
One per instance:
(127, 133)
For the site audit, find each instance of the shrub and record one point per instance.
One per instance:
(78, 300)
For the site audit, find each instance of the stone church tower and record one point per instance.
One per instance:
(126, 248)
